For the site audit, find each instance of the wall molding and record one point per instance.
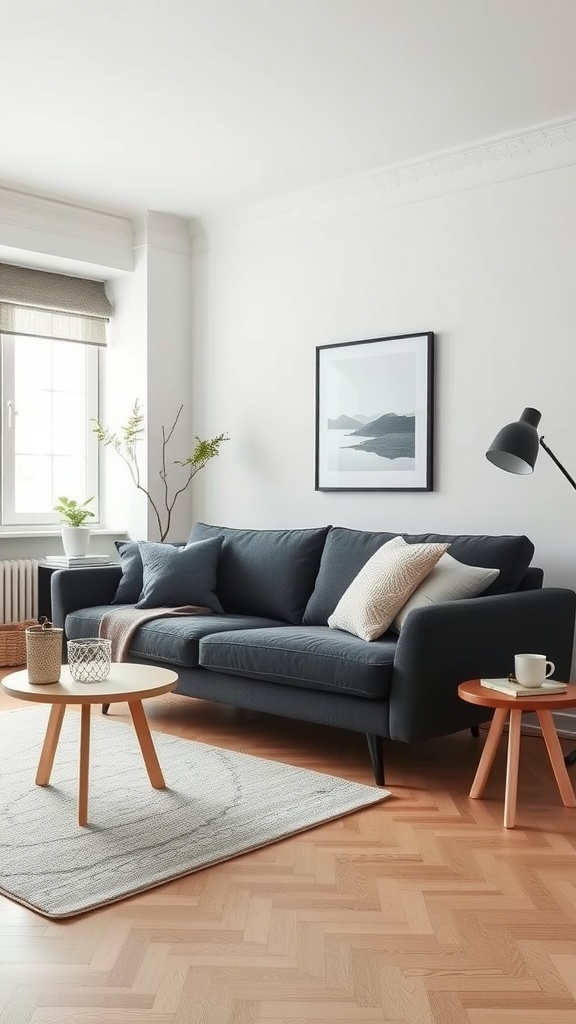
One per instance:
(69, 229)
(164, 231)
(490, 152)
(543, 148)
(49, 229)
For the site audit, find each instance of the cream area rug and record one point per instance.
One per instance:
(217, 804)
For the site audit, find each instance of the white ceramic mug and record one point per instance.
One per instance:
(532, 669)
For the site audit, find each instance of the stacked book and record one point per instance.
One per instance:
(513, 689)
(63, 562)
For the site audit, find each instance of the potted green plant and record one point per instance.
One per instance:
(75, 536)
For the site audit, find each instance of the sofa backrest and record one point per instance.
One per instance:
(269, 573)
(347, 551)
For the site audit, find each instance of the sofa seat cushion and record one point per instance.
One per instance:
(265, 572)
(314, 658)
(169, 640)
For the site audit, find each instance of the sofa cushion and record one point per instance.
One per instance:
(346, 551)
(449, 580)
(130, 585)
(172, 577)
(511, 555)
(314, 658)
(367, 608)
(265, 572)
(174, 641)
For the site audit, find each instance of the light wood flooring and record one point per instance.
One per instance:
(420, 910)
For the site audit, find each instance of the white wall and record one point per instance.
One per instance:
(169, 367)
(489, 267)
(149, 360)
(125, 379)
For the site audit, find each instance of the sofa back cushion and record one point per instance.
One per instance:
(510, 554)
(265, 572)
(347, 551)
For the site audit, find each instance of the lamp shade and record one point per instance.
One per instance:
(515, 447)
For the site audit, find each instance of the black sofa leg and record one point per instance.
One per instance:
(105, 709)
(376, 748)
(475, 730)
(570, 758)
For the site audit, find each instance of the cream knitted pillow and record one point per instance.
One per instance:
(382, 586)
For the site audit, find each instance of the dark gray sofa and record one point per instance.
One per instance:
(273, 651)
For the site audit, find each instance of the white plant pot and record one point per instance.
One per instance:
(75, 540)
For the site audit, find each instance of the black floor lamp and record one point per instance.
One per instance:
(515, 449)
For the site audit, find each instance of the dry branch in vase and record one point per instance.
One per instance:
(125, 442)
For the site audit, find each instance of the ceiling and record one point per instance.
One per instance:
(193, 107)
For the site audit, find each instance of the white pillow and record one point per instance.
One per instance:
(449, 580)
(383, 586)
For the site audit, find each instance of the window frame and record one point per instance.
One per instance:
(8, 515)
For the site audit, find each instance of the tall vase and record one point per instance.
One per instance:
(75, 540)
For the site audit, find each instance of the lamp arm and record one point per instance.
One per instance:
(558, 463)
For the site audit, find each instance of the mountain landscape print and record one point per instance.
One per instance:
(390, 436)
(374, 414)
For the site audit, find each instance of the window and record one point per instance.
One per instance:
(52, 328)
(50, 394)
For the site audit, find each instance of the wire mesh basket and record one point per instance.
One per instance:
(89, 660)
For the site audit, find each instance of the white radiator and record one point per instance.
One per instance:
(18, 589)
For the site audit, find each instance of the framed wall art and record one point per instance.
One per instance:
(374, 414)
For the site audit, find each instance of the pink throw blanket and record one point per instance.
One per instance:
(120, 624)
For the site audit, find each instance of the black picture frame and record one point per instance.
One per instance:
(384, 385)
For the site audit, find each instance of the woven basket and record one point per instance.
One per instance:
(13, 642)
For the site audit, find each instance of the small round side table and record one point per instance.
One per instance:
(126, 682)
(475, 693)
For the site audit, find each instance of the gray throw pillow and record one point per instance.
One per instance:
(130, 586)
(178, 576)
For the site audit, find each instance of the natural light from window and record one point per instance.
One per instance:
(50, 396)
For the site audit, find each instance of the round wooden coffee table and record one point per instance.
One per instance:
(475, 693)
(126, 682)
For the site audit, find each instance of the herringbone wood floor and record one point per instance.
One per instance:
(422, 909)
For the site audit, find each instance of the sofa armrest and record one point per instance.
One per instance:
(71, 589)
(444, 644)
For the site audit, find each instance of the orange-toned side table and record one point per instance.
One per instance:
(475, 693)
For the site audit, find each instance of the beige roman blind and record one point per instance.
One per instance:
(44, 305)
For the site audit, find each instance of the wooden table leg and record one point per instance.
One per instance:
(488, 753)
(84, 765)
(50, 743)
(556, 758)
(514, 732)
(146, 745)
